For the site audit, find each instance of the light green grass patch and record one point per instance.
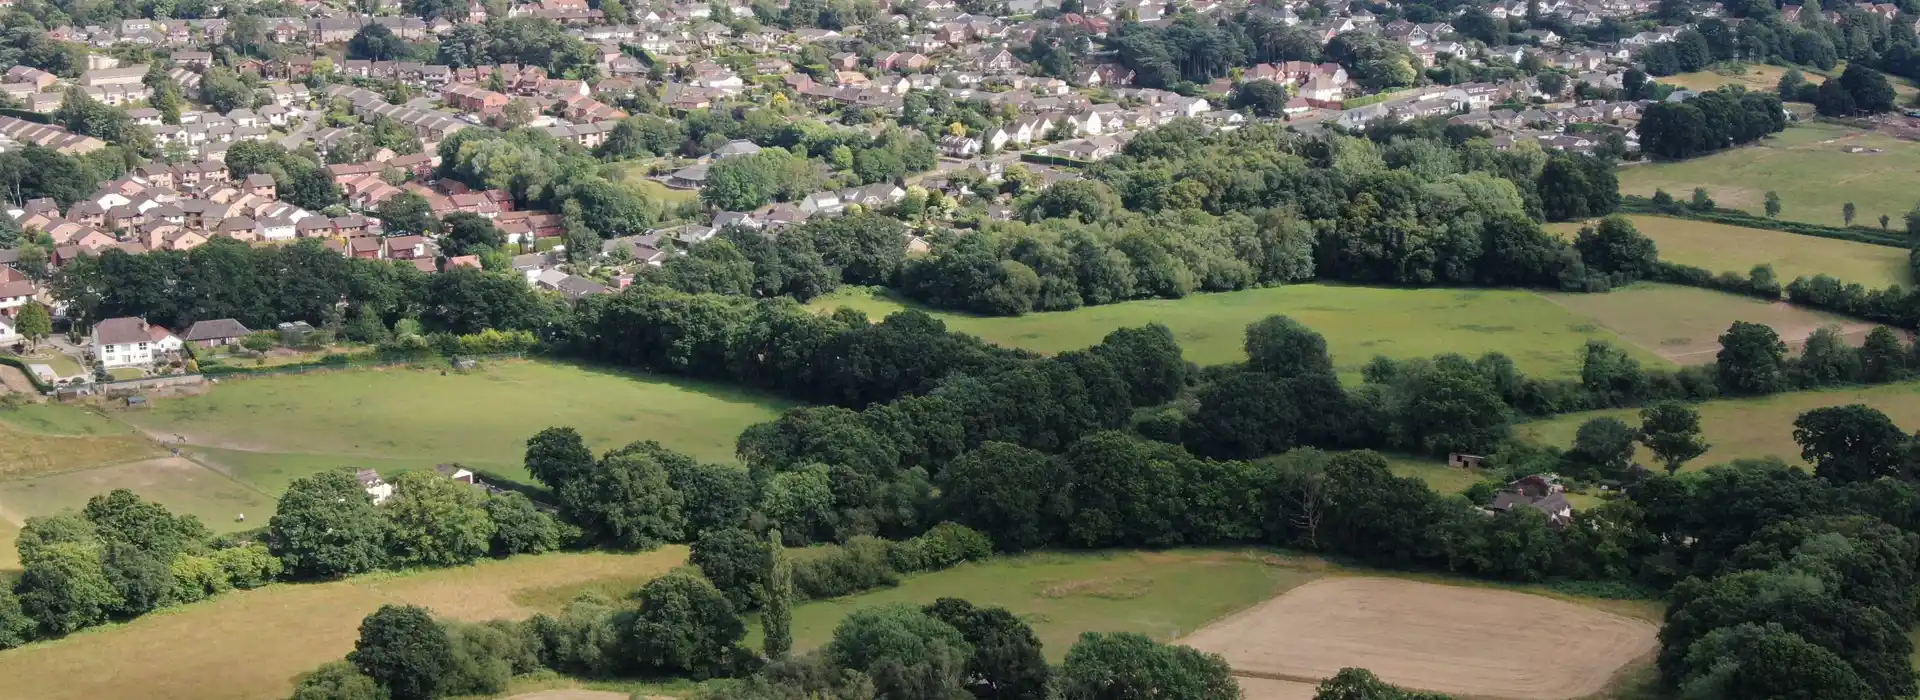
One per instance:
(63, 420)
(483, 417)
(1753, 77)
(272, 472)
(125, 373)
(1359, 323)
(1743, 428)
(1684, 324)
(1806, 165)
(1723, 248)
(62, 364)
(1435, 472)
(179, 484)
(1164, 595)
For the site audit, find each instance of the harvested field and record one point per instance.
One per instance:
(1271, 689)
(1447, 639)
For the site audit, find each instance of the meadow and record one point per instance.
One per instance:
(1359, 323)
(1684, 324)
(430, 416)
(1806, 165)
(1754, 77)
(1723, 248)
(43, 439)
(181, 485)
(251, 645)
(1744, 428)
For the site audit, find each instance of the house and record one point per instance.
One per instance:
(8, 334)
(1541, 492)
(376, 487)
(457, 473)
(125, 342)
(215, 333)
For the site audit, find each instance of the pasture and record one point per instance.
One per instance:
(430, 416)
(1684, 324)
(181, 485)
(249, 645)
(1743, 428)
(1448, 639)
(1807, 165)
(1723, 248)
(1359, 323)
(47, 439)
(1753, 77)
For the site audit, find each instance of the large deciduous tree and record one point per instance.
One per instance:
(436, 521)
(326, 526)
(1127, 666)
(405, 650)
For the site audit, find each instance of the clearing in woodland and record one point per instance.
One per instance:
(1477, 642)
(1722, 248)
(250, 645)
(1359, 323)
(1684, 324)
(1748, 428)
(1808, 165)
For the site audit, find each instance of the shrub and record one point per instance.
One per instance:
(944, 546)
(861, 564)
(251, 566)
(197, 578)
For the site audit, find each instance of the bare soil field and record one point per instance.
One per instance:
(1270, 689)
(1476, 642)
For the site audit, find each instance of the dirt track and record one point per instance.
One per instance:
(1460, 641)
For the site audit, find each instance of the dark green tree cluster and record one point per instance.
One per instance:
(119, 558)
(327, 526)
(303, 181)
(528, 41)
(1858, 91)
(1708, 122)
(34, 172)
(743, 183)
(542, 172)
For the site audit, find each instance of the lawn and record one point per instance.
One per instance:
(635, 173)
(181, 485)
(429, 416)
(272, 472)
(250, 645)
(1740, 428)
(1439, 477)
(1684, 324)
(121, 374)
(1358, 322)
(1755, 77)
(1723, 248)
(62, 364)
(1164, 595)
(1806, 165)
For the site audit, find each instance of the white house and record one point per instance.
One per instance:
(124, 342)
(8, 335)
(375, 486)
(14, 295)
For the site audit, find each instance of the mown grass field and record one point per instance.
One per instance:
(181, 485)
(1806, 165)
(1684, 324)
(36, 440)
(1359, 323)
(1723, 248)
(1760, 427)
(483, 416)
(253, 645)
(1754, 77)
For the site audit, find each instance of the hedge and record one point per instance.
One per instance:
(1634, 204)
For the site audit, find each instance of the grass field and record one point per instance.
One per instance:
(1806, 166)
(1683, 324)
(272, 472)
(1358, 322)
(1740, 428)
(1755, 77)
(252, 645)
(33, 441)
(179, 484)
(483, 417)
(1723, 248)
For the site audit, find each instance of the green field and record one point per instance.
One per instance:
(181, 485)
(1754, 77)
(1723, 248)
(1358, 322)
(1740, 428)
(429, 416)
(273, 472)
(1683, 324)
(1806, 166)
(252, 645)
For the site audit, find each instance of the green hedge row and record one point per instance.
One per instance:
(1632, 204)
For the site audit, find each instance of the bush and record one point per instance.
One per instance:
(862, 564)
(197, 578)
(251, 566)
(946, 545)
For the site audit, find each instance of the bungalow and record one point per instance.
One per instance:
(215, 333)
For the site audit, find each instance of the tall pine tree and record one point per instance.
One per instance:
(777, 615)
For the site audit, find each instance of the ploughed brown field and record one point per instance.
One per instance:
(1476, 642)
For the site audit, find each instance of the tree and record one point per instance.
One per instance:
(1264, 97)
(34, 323)
(1846, 213)
(558, 455)
(403, 649)
(520, 527)
(1361, 684)
(325, 526)
(1701, 202)
(1672, 431)
(1006, 663)
(1773, 204)
(1006, 491)
(1128, 666)
(436, 521)
(1789, 87)
(1286, 348)
(735, 560)
(1752, 359)
(405, 214)
(1851, 443)
(909, 654)
(1604, 446)
(65, 588)
(1616, 246)
(516, 114)
(142, 581)
(1867, 89)
(777, 617)
(222, 89)
(1882, 359)
(467, 233)
(122, 516)
(684, 626)
(375, 42)
(338, 680)
(1754, 660)
(628, 501)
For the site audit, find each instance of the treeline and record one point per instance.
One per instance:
(122, 557)
(304, 281)
(544, 173)
(1708, 122)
